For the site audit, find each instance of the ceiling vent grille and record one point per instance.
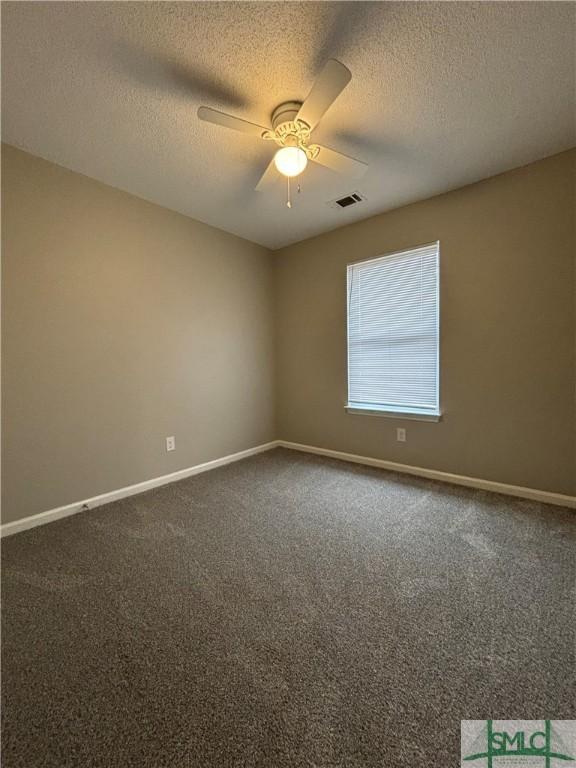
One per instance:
(347, 201)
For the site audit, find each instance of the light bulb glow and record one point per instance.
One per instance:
(290, 161)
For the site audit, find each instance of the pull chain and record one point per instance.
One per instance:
(288, 198)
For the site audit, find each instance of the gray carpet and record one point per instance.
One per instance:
(286, 610)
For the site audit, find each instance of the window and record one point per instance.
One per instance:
(393, 313)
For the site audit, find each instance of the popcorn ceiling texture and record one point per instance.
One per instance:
(286, 611)
(442, 95)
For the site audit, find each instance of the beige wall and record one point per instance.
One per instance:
(507, 331)
(123, 323)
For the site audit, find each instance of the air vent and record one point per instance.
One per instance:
(345, 202)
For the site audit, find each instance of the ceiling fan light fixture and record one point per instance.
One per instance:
(290, 161)
(292, 122)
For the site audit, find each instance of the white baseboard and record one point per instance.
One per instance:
(533, 494)
(130, 490)
(50, 515)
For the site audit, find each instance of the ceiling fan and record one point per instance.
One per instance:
(292, 126)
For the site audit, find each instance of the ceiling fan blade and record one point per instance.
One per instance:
(330, 83)
(270, 175)
(336, 161)
(229, 121)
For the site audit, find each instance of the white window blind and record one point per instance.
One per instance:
(393, 332)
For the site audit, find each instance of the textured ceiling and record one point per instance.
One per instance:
(442, 94)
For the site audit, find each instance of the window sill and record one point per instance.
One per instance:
(391, 414)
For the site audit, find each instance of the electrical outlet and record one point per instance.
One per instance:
(170, 443)
(401, 435)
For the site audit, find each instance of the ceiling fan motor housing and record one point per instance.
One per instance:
(289, 131)
(285, 113)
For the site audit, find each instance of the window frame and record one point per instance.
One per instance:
(389, 411)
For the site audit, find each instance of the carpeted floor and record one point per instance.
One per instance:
(286, 610)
